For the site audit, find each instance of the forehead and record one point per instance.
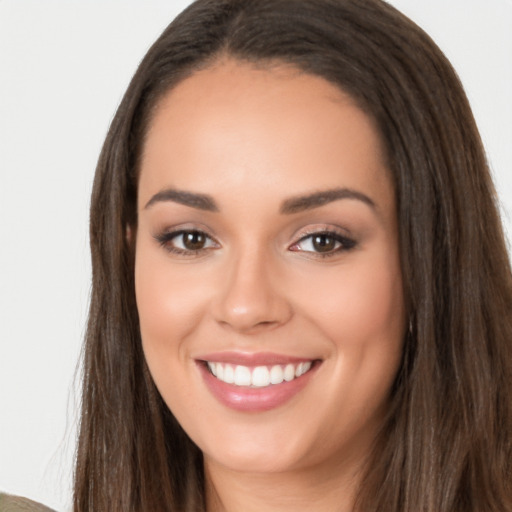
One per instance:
(235, 126)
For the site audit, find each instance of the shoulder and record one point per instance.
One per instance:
(10, 503)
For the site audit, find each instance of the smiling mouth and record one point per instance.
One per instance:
(258, 376)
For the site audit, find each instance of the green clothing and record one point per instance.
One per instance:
(10, 503)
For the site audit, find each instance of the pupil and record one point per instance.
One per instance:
(323, 243)
(194, 240)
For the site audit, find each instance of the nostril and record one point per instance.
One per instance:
(249, 327)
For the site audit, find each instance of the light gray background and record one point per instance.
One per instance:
(63, 68)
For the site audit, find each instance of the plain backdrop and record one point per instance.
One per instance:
(64, 66)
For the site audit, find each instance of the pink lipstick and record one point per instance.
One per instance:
(255, 382)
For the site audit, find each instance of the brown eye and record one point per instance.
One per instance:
(186, 242)
(194, 240)
(323, 243)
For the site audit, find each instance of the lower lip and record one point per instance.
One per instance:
(248, 399)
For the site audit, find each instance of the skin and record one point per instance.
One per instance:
(252, 138)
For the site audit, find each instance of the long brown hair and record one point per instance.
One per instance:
(446, 445)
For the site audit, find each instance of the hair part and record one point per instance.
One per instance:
(446, 444)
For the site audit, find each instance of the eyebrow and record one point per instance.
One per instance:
(289, 206)
(192, 199)
(317, 199)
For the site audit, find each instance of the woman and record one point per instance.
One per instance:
(301, 291)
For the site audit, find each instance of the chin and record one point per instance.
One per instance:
(265, 460)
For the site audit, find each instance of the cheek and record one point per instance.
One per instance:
(360, 309)
(167, 294)
(169, 301)
(359, 305)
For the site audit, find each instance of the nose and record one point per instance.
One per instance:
(251, 298)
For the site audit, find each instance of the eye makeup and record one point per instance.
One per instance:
(319, 242)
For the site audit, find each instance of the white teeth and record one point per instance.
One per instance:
(276, 374)
(242, 376)
(259, 376)
(302, 368)
(229, 374)
(213, 368)
(289, 372)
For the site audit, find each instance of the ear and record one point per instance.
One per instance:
(130, 234)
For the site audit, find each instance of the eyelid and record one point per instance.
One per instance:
(165, 236)
(346, 241)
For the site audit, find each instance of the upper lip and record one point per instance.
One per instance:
(253, 359)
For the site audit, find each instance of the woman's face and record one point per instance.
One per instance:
(267, 253)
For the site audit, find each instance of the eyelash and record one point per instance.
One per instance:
(344, 243)
(165, 239)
